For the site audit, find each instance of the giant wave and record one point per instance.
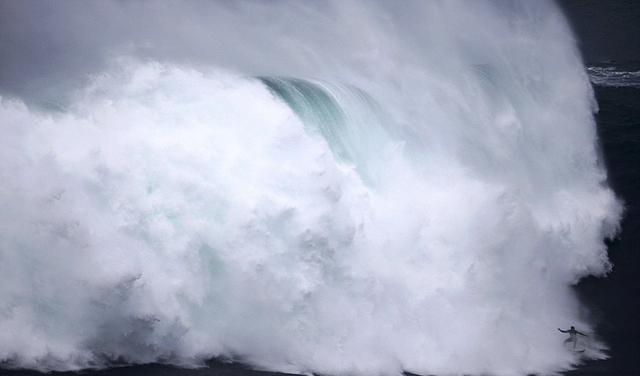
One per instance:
(418, 195)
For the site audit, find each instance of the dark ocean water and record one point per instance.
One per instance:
(613, 301)
(607, 32)
(212, 368)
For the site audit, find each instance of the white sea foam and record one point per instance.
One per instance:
(611, 76)
(434, 225)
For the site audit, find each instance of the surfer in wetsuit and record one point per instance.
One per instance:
(573, 335)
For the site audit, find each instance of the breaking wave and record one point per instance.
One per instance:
(424, 207)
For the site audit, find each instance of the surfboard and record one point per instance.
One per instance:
(578, 350)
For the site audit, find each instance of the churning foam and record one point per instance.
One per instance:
(426, 207)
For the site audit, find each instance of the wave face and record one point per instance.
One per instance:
(416, 188)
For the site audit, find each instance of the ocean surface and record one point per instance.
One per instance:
(426, 188)
(611, 300)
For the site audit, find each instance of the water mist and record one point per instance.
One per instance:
(339, 188)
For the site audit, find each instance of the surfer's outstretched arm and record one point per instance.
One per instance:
(563, 331)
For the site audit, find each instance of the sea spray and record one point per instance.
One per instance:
(420, 196)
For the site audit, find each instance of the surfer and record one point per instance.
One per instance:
(573, 335)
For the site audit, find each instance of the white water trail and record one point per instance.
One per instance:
(425, 206)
